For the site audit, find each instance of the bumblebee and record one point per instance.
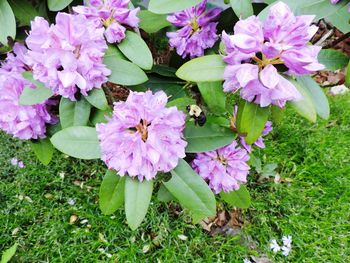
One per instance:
(197, 114)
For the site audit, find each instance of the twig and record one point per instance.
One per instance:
(338, 40)
(108, 93)
(324, 38)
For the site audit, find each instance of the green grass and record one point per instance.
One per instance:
(314, 208)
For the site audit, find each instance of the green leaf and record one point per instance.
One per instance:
(340, 19)
(347, 77)
(135, 49)
(239, 198)
(207, 138)
(320, 8)
(242, 8)
(181, 103)
(137, 198)
(164, 195)
(113, 52)
(333, 59)
(111, 195)
(43, 149)
(31, 96)
(74, 113)
(99, 116)
(24, 11)
(316, 94)
(164, 71)
(7, 22)
(191, 191)
(151, 22)
(57, 5)
(304, 107)
(78, 141)
(277, 114)
(251, 120)
(203, 69)
(124, 72)
(170, 6)
(97, 98)
(9, 253)
(214, 96)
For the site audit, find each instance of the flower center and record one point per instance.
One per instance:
(142, 129)
(221, 159)
(267, 61)
(194, 24)
(76, 51)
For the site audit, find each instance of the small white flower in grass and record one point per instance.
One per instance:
(286, 250)
(274, 246)
(287, 245)
(71, 201)
(246, 260)
(14, 161)
(21, 164)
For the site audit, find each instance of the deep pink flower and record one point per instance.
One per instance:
(67, 56)
(256, 47)
(225, 169)
(143, 136)
(114, 15)
(23, 122)
(198, 30)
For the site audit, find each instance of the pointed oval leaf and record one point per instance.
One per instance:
(181, 103)
(137, 198)
(124, 72)
(333, 59)
(24, 11)
(7, 22)
(214, 96)
(202, 69)
(43, 149)
(78, 141)
(242, 8)
(164, 195)
(170, 6)
(74, 113)
(316, 94)
(151, 22)
(9, 253)
(239, 198)
(97, 98)
(57, 5)
(207, 138)
(31, 96)
(191, 191)
(111, 195)
(136, 50)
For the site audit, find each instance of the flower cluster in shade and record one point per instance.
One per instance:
(336, 1)
(68, 55)
(143, 137)
(113, 15)
(258, 49)
(198, 30)
(21, 121)
(259, 142)
(225, 169)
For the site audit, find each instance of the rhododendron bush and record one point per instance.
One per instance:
(95, 80)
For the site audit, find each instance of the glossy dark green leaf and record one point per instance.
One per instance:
(333, 59)
(317, 96)
(97, 98)
(242, 8)
(31, 96)
(111, 195)
(277, 114)
(340, 19)
(170, 6)
(24, 11)
(136, 50)
(214, 96)
(151, 22)
(164, 71)
(239, 198)
(99, 116)
(164, 195)
(7, 22)
(203, 69)
(206, 138)
(43, 150)
(78, 141)
(181, 103)
(74, 113)
(137, 199)
(191, 191)
(57, 5)
(251, 120)
(113, 52)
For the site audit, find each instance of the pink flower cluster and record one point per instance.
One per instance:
(23, 122)
(114, 15)
(257, 50)
(225, 169)
(198, 30)
(143, 136)
(67, 56)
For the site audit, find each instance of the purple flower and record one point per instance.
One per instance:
(143, 136)
(256, 47)
(67, 56)
(198, 30)
(225, 169)
(114, 15)
(23, 122)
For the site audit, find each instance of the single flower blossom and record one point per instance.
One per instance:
(286, 250)
(197, 30)
(21, 165)
(287, 241)
(274, 246)
(255, 49)
(14, 161)
(114, 15)
(67, 56)
(225, 169)
(143, 137)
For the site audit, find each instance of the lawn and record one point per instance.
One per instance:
(312, 204)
